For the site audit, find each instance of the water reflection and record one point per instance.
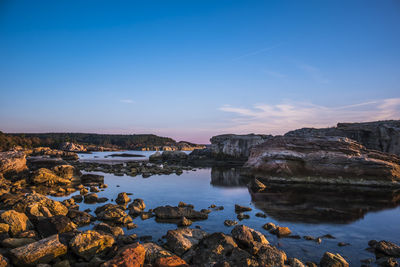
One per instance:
(311, 203)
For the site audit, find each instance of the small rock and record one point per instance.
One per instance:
(261, 215)
(122, 198)
(184, 222)
(239, 209)
(230, 223)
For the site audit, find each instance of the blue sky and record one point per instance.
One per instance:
(193, 69)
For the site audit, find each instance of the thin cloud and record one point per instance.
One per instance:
(314, 72)
(127, 101)
(280, 118)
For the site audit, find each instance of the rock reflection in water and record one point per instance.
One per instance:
(228, 177)
(323, 203)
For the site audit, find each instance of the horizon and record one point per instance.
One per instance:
(193, 70)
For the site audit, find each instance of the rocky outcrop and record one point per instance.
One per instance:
(72, 147)
(235, 146)
(379, 135)
(331, 160)
(12, 162)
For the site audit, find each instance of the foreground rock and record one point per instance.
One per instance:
(55, 225)
(378, 135)
(92, 179)
(129, 256)
(248, 238)
(154, 251)
(385, 247)
(18, 222)
(46, 177)
(42, 251)
(333, 260)
(91, 243)
(332, 160)
(181, 240)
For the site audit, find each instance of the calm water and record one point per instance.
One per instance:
(351, 217)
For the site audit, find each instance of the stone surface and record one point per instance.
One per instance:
(128, 256)
(55, 225)
(181, 240)
(168, 212)
(122, 198)
(16, 242)
(136, 207)
(154, 251)
(387, 248)
(113, 213)
(379, 135)
(12, 162)
(66, 171)
(72, 147)
(42, 251)
(331, 160)
(92, 179)
(112, 230)
(172, 261)
(91, 243)
(333, 260)
(18, 222)
(80, 217)
(249, 239)
(4, 262)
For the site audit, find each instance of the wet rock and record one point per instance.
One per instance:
(94, 189)
(271, 256)
(183, 204)
(168, 212)
(154, 251)
(42, 251)
(269, 226)
(18, 222)
(128, 256)
(91, 198)
(230, 223)
(46, 177)
(172, 261)
(386, 247)
(113, 213)
(122, 198)
(248, 239)
(80, 217)
(16, 242)
(136, 207)
(333, 260)
(184, 222)
(112, 230)
(77, 198)
(239, 209)
(281, 231)
(181, 240)
(90, 243)
(92, 179)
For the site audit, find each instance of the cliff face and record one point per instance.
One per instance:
(331, 160)
(379, 135)
(235, 146)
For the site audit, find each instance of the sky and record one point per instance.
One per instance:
(194, 69)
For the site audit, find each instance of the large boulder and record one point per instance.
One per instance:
(47, 177)
(271, 256)
(248, 238)
(42, 251)
(113, 213)
(333, 260)
(331, 160)
(18, 222)
(12, 162)
(34, 205)
(235, 146)
(378, 135)
(154, 251)
(91, 243)
(129, 256)
(181, 240)
(170, 213)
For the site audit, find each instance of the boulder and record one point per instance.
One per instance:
(55, 225)
(42, 251)
(169, 156)
(80, 217)
(378, 135)
(156, 157)
(46, 177)
(154, 251)
(328, 160)
(171, 261)
(112, 230)
(333, 260)
(12, 162)
(181, 240)
(271, 256)
(91, 243)
(387, 248)
(18, 222)
(248, 238)
(66, 171)
(136, 207)
(128, 256)
(239, 209)
(113, 213)
(168, 212)
(91, 198)
(16, 242)
(122, 198)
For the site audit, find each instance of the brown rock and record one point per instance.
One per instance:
(154, 251)
(249, 239)
(282, 231)
(181, 240)
(122, 198)
(91, 243)
(12, 162)
(18, 222)
(129, 256)
(172, 261)
(333, 260)
(47, 177)
(42, 251)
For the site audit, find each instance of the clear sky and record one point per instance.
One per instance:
(193, 69)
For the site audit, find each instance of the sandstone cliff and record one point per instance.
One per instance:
(379, 135)
(331, 160)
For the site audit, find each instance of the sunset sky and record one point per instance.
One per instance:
(193, 69)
